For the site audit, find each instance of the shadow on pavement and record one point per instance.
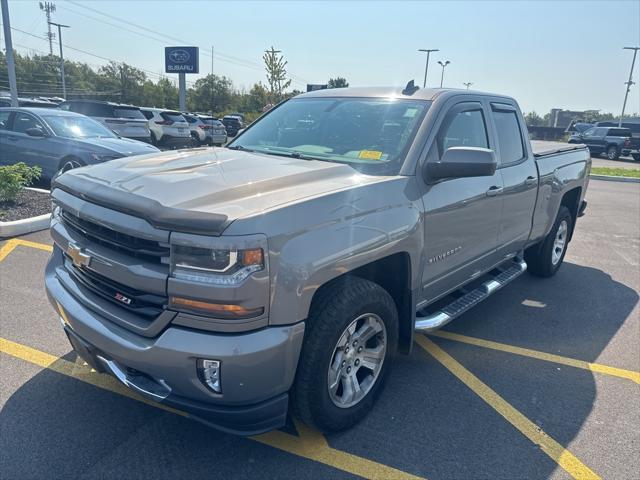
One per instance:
(426, 422)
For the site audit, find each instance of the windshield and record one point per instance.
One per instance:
(372, 134)
(77, 127)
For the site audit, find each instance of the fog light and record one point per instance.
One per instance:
(209, 373)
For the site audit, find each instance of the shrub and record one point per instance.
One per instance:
(14, 178)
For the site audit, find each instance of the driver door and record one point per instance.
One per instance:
(461, 215)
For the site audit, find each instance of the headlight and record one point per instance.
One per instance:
(217, 266)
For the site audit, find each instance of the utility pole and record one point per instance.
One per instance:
(48, 8)
(8, 45)
(212, 84)
(64, 85)
(447, 62)
(426, 65)
(467, 84)
(629, 82)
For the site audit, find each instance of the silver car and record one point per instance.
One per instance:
(215, 130)
(125, 120)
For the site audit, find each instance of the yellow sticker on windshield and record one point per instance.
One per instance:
(370, 154)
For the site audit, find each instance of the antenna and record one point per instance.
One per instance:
(410, 89)
(48, 8)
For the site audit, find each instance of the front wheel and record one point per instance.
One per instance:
(612, 152)
(65, 166)
(544, 260)
(350, 341)
(636, 156)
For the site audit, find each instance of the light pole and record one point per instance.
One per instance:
(467, 84)
(426, 65)
(629, 82)
(64, 85)
(447, 62)
(11, 65)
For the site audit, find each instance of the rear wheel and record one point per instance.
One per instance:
(350, 341)
(612, 152)
(544, 260)
(636, 156)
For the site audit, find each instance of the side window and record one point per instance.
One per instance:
(509, 136)
(148, 115)
(463, 129)
(22, 122)
(4, 120)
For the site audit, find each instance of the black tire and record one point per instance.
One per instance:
(540, 257)
(594, 153)
(636, 156)
(331, 313)
(613, 153)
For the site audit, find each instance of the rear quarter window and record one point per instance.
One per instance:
(509, 136)
(619, 132)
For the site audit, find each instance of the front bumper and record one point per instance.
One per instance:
(257, 368)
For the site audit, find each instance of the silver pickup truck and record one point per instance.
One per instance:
(293, 265)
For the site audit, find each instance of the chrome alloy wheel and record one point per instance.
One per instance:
(560, 242)
(357, 360)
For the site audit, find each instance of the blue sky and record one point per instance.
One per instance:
(545, 53)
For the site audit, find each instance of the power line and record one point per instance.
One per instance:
(220, 55)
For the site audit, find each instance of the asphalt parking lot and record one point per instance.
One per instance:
(540, 381)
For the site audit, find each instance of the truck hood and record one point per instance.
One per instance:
(206, 184)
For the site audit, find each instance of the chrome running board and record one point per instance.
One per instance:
(436, 320)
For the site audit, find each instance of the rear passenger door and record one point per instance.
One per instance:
(519, 173)
(5, 125)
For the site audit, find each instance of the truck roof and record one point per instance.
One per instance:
(396, 92)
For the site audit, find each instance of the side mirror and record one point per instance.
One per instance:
(459, 162)
(35, 132)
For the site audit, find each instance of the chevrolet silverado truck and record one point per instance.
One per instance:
(288, 269)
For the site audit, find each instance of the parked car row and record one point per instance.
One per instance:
(612, 141)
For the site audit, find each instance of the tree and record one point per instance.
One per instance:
(210, 93)
(532, 119)
(275, 65)
(338, 82)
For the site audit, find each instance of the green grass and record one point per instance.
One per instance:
(616, 172)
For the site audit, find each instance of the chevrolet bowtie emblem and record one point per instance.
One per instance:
(78, 258)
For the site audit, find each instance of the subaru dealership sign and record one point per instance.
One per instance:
(181, 59)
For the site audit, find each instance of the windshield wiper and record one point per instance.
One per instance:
(240, 147)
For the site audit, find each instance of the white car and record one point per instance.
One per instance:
(169, 129)
(216, 131)
(197, 128)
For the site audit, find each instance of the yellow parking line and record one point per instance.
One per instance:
(310, 444)
(548, 357)
(557, 452)
(11, 244)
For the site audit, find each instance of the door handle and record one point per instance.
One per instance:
(493, 191)
(530, 180)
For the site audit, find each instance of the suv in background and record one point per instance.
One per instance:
(169, 129)
(125, 120)
(233, 124)
(216, 131)
(197, 129)
(609, 140)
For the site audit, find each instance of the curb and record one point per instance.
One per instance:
(611, 178)
(26, 225)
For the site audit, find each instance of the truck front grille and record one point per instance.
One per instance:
(140, 248)
(141, 303)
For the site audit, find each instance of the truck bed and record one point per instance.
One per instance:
(542, 148)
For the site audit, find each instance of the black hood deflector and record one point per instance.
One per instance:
(158, 215)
